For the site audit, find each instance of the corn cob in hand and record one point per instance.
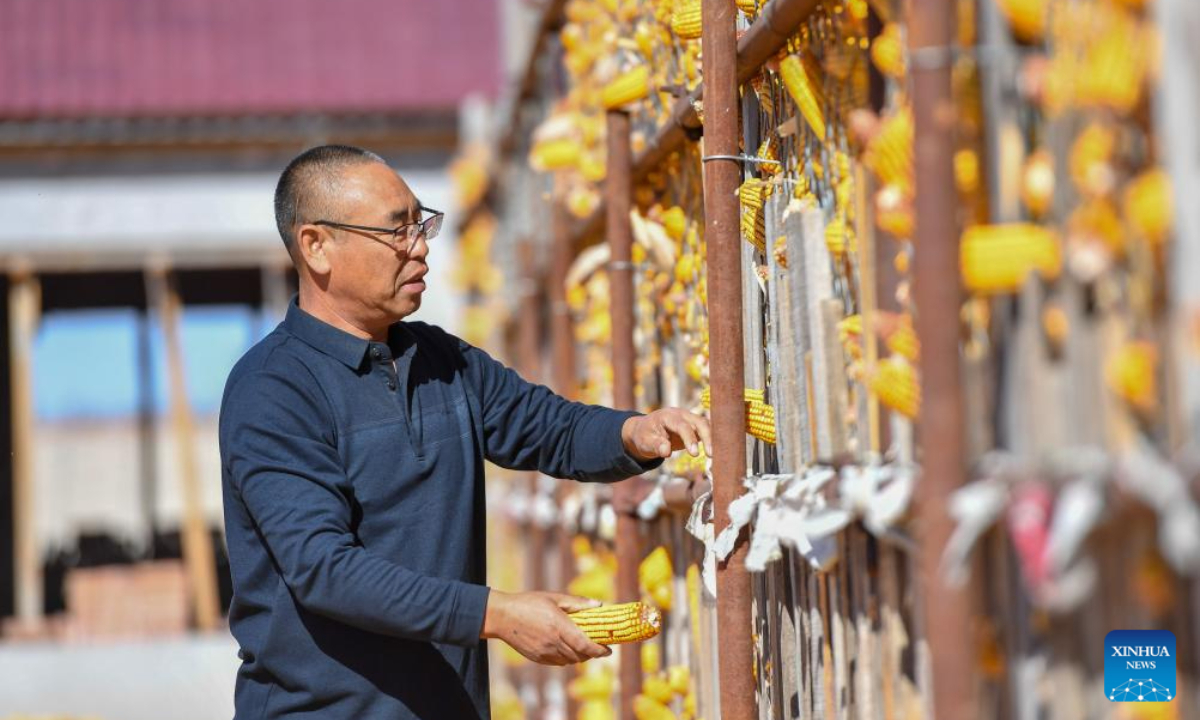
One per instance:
(622, 623)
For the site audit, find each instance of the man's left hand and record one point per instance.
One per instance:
(662, 432)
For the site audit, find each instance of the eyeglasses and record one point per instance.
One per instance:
(402, 237)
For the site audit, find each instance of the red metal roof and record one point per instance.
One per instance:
(129, 58)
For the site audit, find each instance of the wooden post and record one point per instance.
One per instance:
(24, 307)
(197, 544)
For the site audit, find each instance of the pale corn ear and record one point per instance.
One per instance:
(896, 386)
(621, 623)
(805, 91)
(628, 87)
(998, 258)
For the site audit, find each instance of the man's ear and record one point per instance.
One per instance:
(313, 246)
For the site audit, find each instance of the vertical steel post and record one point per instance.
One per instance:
(726, 361)
(619, 191)
(938, 298)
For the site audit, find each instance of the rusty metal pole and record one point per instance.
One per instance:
(619, 190)
(562, 350)
(938, 298)
(726, 362)
(528, 361)
(562, 340)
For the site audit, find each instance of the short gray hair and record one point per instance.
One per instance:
(308, 184)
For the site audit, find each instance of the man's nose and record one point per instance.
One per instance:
(419, 249)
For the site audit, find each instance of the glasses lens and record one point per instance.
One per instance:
(433, 226)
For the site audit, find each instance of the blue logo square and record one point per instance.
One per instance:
(1139, 665)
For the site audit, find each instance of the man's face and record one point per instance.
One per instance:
(378, 279)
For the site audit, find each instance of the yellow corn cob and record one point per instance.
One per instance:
(760, 417)
(966, 171)
(748, 395)
(647, 708)
(622, 623)
(997, 258)
(598, 582)
(657, 688)
(903, 341)
(1027, 17)
(555, 154)
(753, 193)
(630, 86)
(674, 221)
(1113, 68)
(685, 21)
(890, 153)
(805, 91)
(750, 7)
(651, 658)
(592, 685)
(760, 421)
(645, 37)
(887, 52)
(684, 464)
(592, 167)
(1131, 375)
(895, 384)
(679, 678)
(654, 575)
(1037, 183)
(838, 237)
(1148, 205)
(597, 710)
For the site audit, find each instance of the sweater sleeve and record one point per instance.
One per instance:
(528, 427)
(285, 469)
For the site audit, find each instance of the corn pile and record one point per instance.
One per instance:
(622, 623)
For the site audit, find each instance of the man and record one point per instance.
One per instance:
(352, 449)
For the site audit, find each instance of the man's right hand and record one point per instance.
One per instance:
(536, 625)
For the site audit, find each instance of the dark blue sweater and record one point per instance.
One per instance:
(354, 513)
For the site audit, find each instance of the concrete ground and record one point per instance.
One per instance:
(186, 678)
